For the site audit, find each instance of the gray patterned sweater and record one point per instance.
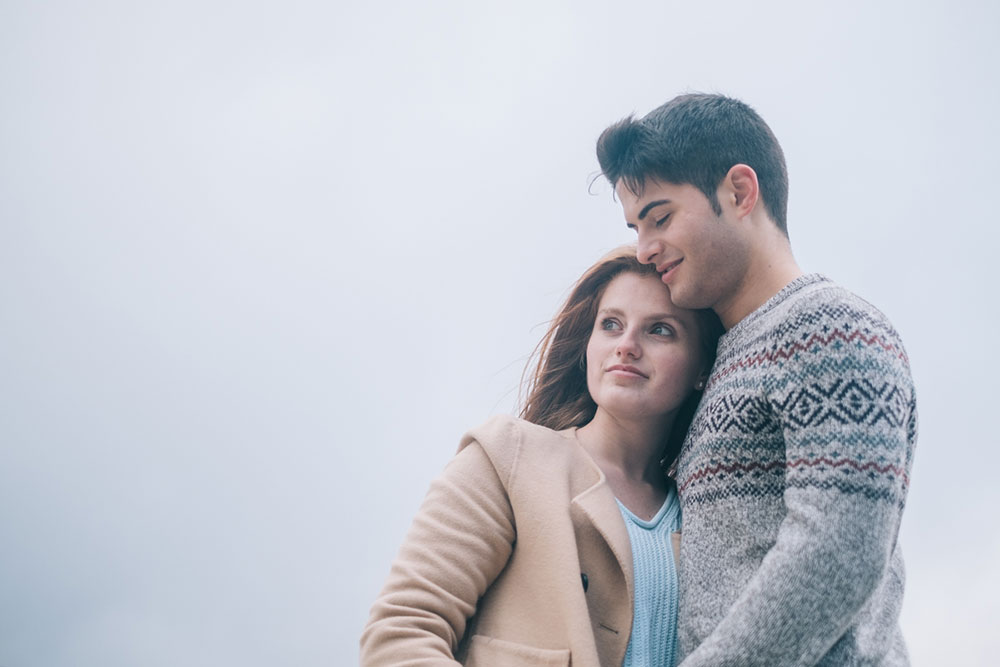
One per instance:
(792, 483)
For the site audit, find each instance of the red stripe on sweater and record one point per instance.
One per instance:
(797, 463)
(815, 339)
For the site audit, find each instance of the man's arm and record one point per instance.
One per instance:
(846, 406)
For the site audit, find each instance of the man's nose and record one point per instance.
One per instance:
(647, 249)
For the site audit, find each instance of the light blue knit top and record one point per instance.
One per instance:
(654, 625)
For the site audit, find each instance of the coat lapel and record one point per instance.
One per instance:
(596, 505)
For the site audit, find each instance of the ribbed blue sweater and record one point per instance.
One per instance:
(654, 625)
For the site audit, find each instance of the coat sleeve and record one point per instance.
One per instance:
(460, 540)
(846, 405)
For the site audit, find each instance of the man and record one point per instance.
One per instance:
(794, 474)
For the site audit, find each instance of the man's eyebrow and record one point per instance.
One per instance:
(651, 205)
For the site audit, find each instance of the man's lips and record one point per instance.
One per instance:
(632, 370)
(666, 270)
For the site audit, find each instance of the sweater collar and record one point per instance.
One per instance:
(785, 293)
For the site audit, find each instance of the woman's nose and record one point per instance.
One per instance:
(628, 345)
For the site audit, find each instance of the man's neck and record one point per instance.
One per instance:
(772, 268)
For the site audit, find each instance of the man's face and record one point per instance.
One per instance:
(702, 257)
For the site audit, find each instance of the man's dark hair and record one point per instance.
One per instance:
(696, 139)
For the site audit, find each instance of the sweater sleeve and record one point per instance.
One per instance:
(845, 403)
(459, 542)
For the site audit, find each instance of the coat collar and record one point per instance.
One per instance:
(597, 503)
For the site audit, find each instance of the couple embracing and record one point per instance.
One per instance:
(712, 459)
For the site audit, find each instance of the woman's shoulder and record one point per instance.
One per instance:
(505, 430)
(506, 439)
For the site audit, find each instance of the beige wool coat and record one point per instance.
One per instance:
(518, 556)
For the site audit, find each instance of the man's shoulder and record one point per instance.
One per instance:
(825, 308)
(814, 321)
(828, 295)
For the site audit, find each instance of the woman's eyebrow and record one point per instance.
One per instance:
(649, 318)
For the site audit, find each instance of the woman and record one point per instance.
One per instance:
(550, 538)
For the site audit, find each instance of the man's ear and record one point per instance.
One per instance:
(740, 189)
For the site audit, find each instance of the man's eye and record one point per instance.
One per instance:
(662, 220)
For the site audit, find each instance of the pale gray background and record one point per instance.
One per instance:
(261, 264)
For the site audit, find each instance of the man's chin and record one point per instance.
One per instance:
(676, 294)
(683, 298)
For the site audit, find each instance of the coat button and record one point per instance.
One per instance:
(583, 578)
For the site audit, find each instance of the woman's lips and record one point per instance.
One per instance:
(626, 370)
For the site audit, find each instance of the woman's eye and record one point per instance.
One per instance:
(662, 330)
(662, 220)
(609, 324)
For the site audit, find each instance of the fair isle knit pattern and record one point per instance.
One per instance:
(653, 642)
(792, 482)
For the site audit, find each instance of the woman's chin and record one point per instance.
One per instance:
(625, 411)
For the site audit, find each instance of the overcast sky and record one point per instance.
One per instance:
(262, 264)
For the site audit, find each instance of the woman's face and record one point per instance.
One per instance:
(643, 357)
